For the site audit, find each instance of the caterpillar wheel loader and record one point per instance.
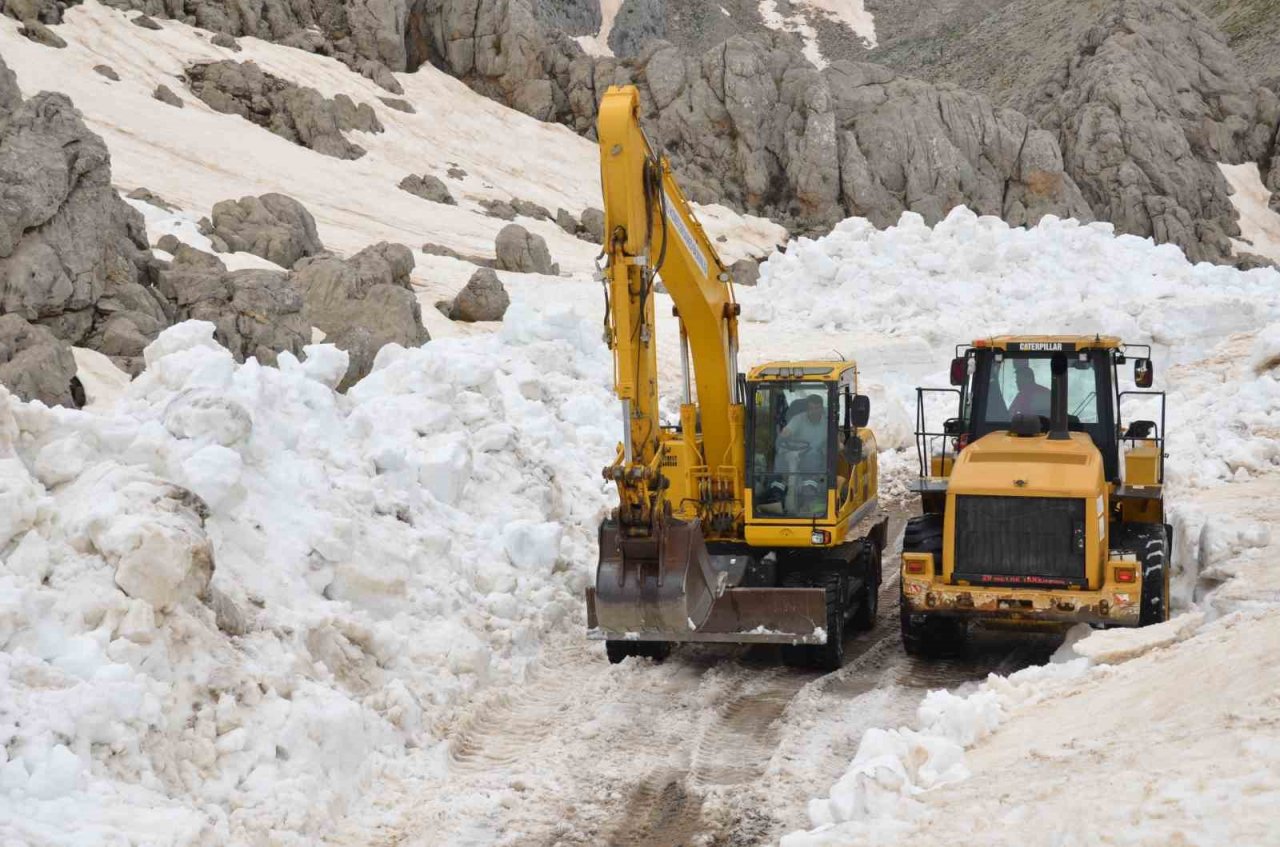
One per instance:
(1039, 508)
(754, 519)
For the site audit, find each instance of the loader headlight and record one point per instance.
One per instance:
(820, 536)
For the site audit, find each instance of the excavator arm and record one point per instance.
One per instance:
(651, 230)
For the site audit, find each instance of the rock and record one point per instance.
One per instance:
(456, 172)
(520, 250)
(399, 105)
(593, 225)
(73, 254)
(531, 210)
(221, 39)
(165, 95)
(41, 34)
(362, 303)
(379, 74)
(482, 299)
(298, 114)
(256, 313)
(145, 22)
(169, 243)
(34, 364)
(146, 195)
(1252, 261)
(273, 226)
(500, 209)
(107, 71)
(566, 221)
(427, 187)
(441, 250)
(745, 272)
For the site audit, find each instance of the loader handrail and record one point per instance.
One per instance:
(925, 438)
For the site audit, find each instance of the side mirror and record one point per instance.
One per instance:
(860, 410)
(1142, 373)
(1140, 429)
(952, 426)
(959, 370)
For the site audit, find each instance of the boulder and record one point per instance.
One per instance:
(362, 303)
(41, 34)
(169, 243)
(146, 195)
(441, 250)
(593, 225)
(500, 209)
(221, 39)
(456, 172)
(520, 250)
(745, 272)
(256, 313)
(273, 226)
(107, 71)
(428, 187)
(566, 221)
(482, 299)
(165, 95)
(145, 22)
(34, 364)
(301, 115)
(399, 105)
(531, 210)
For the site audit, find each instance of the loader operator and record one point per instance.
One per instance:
(1032, 398)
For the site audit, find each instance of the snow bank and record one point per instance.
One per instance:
(223, 600)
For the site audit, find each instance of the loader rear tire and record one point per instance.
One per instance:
(932, 636)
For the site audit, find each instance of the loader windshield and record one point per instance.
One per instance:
(1019, 384)
(792, 428)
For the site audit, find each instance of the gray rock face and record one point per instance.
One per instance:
(362, 303)
(482, 299)
(256, 312)
(428, 187)
(301, 115)
(273, 226)
(165, 94)
(73, 255)
(520, 250)
(34, 364)
(573, 17)
(638, 23)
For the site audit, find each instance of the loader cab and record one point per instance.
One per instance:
(805, 440)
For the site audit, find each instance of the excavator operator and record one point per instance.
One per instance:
(802, 455)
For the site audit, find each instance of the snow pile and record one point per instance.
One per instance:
(892, 767)
(225, 599)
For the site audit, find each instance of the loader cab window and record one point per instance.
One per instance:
(792, 428)
(1006, 383)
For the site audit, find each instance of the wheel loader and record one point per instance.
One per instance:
(754, 518)
(1039, 507)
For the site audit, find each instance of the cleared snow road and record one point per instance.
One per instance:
(716, 746)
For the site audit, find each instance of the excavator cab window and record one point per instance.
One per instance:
(792, 430)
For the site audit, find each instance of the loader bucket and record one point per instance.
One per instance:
(661, 585)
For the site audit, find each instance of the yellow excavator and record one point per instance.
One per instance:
(754, 518)
(1039, 509)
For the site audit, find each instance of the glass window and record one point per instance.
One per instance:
(1022, 384)
(790, 456)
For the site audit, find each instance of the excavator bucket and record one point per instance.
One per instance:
(670, 588)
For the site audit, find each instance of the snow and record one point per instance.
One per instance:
(1259, 223)
(850, 13)
(227, 596)
(598, 44)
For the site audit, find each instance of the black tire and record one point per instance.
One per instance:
(868, 597)
(617, 651)
(829, 656)
(1150, 543)
(928, 636)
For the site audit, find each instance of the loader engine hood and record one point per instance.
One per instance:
(1004, 464)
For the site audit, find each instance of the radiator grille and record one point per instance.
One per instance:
(1020, 540)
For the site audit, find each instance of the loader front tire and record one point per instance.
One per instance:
(617, 651)
(829, 656)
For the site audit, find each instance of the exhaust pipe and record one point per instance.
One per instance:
(1058, 428)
